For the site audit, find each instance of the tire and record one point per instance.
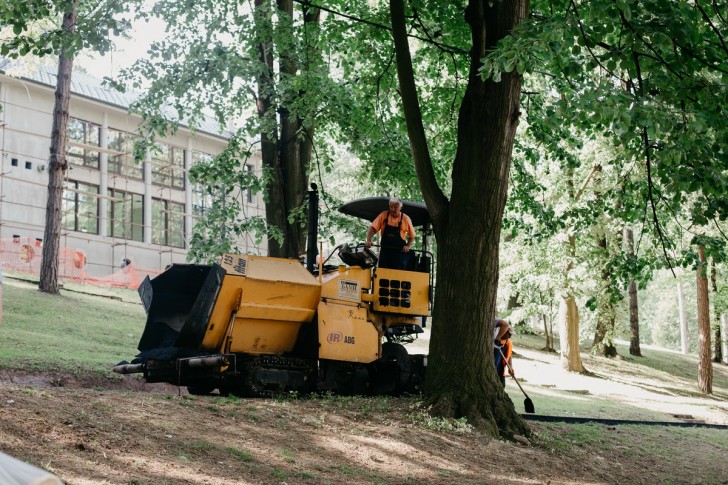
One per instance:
(392, 373)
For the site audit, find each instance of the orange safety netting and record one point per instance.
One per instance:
(24, 254)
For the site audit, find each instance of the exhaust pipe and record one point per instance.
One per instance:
(128, 368)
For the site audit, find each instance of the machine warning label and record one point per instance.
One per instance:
(234, 263)
(349, 290)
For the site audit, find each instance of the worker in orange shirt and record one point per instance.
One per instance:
(396, 236)
(503, 349)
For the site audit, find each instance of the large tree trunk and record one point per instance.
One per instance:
(634, 318)
(295, 143)
(461, 376)
(286, 156)
(57, 165)
(705, 365)
(717, 337)
(275, 210)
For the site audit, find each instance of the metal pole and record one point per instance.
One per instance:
(311, 249)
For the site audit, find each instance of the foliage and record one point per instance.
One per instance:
(645, 78)
(650, 77)
(37, 30)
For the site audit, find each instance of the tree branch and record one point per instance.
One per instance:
(437, 203)
(713, 28)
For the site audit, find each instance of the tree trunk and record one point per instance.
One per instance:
(461, 377)
(604, 335)
(549, 335)
(683, 320)
(57, 164)
(286, 156)
(568, 316)
(705, 366)
(295, 145)
(275, 210)
(717, 347)
(634, 318)
(724, 346)
(568, 319)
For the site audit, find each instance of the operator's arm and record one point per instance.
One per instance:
(410, 235)
(373, 228)
(370, 233)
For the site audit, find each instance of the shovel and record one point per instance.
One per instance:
(527, 403)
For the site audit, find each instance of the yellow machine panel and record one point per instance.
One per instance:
(269, 297)
(252, 336)
(405, 292)
(345, 334)
(346, 284)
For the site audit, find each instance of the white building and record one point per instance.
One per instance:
(113, 207)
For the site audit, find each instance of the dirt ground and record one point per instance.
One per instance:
(98, 431)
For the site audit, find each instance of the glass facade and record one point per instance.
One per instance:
(123, 163)
(126, 215)
(168, 223)
(87, 134)
(124, 209)
(80, 207)
(168, 166)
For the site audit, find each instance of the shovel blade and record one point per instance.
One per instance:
(528, 405)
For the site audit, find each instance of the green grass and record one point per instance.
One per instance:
(241, 455)
(71, 332)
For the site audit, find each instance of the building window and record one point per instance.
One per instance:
(168, 166)
(202, 195)
(126, 215)
(248, 192)
(121, 161)
(80, 207)
(202, 200)
(83, 136)
(200, 157)
(168, 223)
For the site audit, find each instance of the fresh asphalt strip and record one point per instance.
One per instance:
(614, 422)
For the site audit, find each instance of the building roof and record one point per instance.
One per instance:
(93, 88)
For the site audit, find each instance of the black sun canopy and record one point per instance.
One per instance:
(370, 207)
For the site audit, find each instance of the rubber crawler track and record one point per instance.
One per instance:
(573, 420)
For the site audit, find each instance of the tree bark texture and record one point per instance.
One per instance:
(717, 337)
(549, 335)
(604, 335)
(683, 319)
(461, 377)
(705, 365)
(569, 335)
(57, 165)
(724, 346)
(286, 146)
(568, 316)
(634, 318)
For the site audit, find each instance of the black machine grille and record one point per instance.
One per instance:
(395, 293)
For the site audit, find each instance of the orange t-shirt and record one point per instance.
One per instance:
(405, 228)
(507, 349)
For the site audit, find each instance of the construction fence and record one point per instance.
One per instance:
(24, 254)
